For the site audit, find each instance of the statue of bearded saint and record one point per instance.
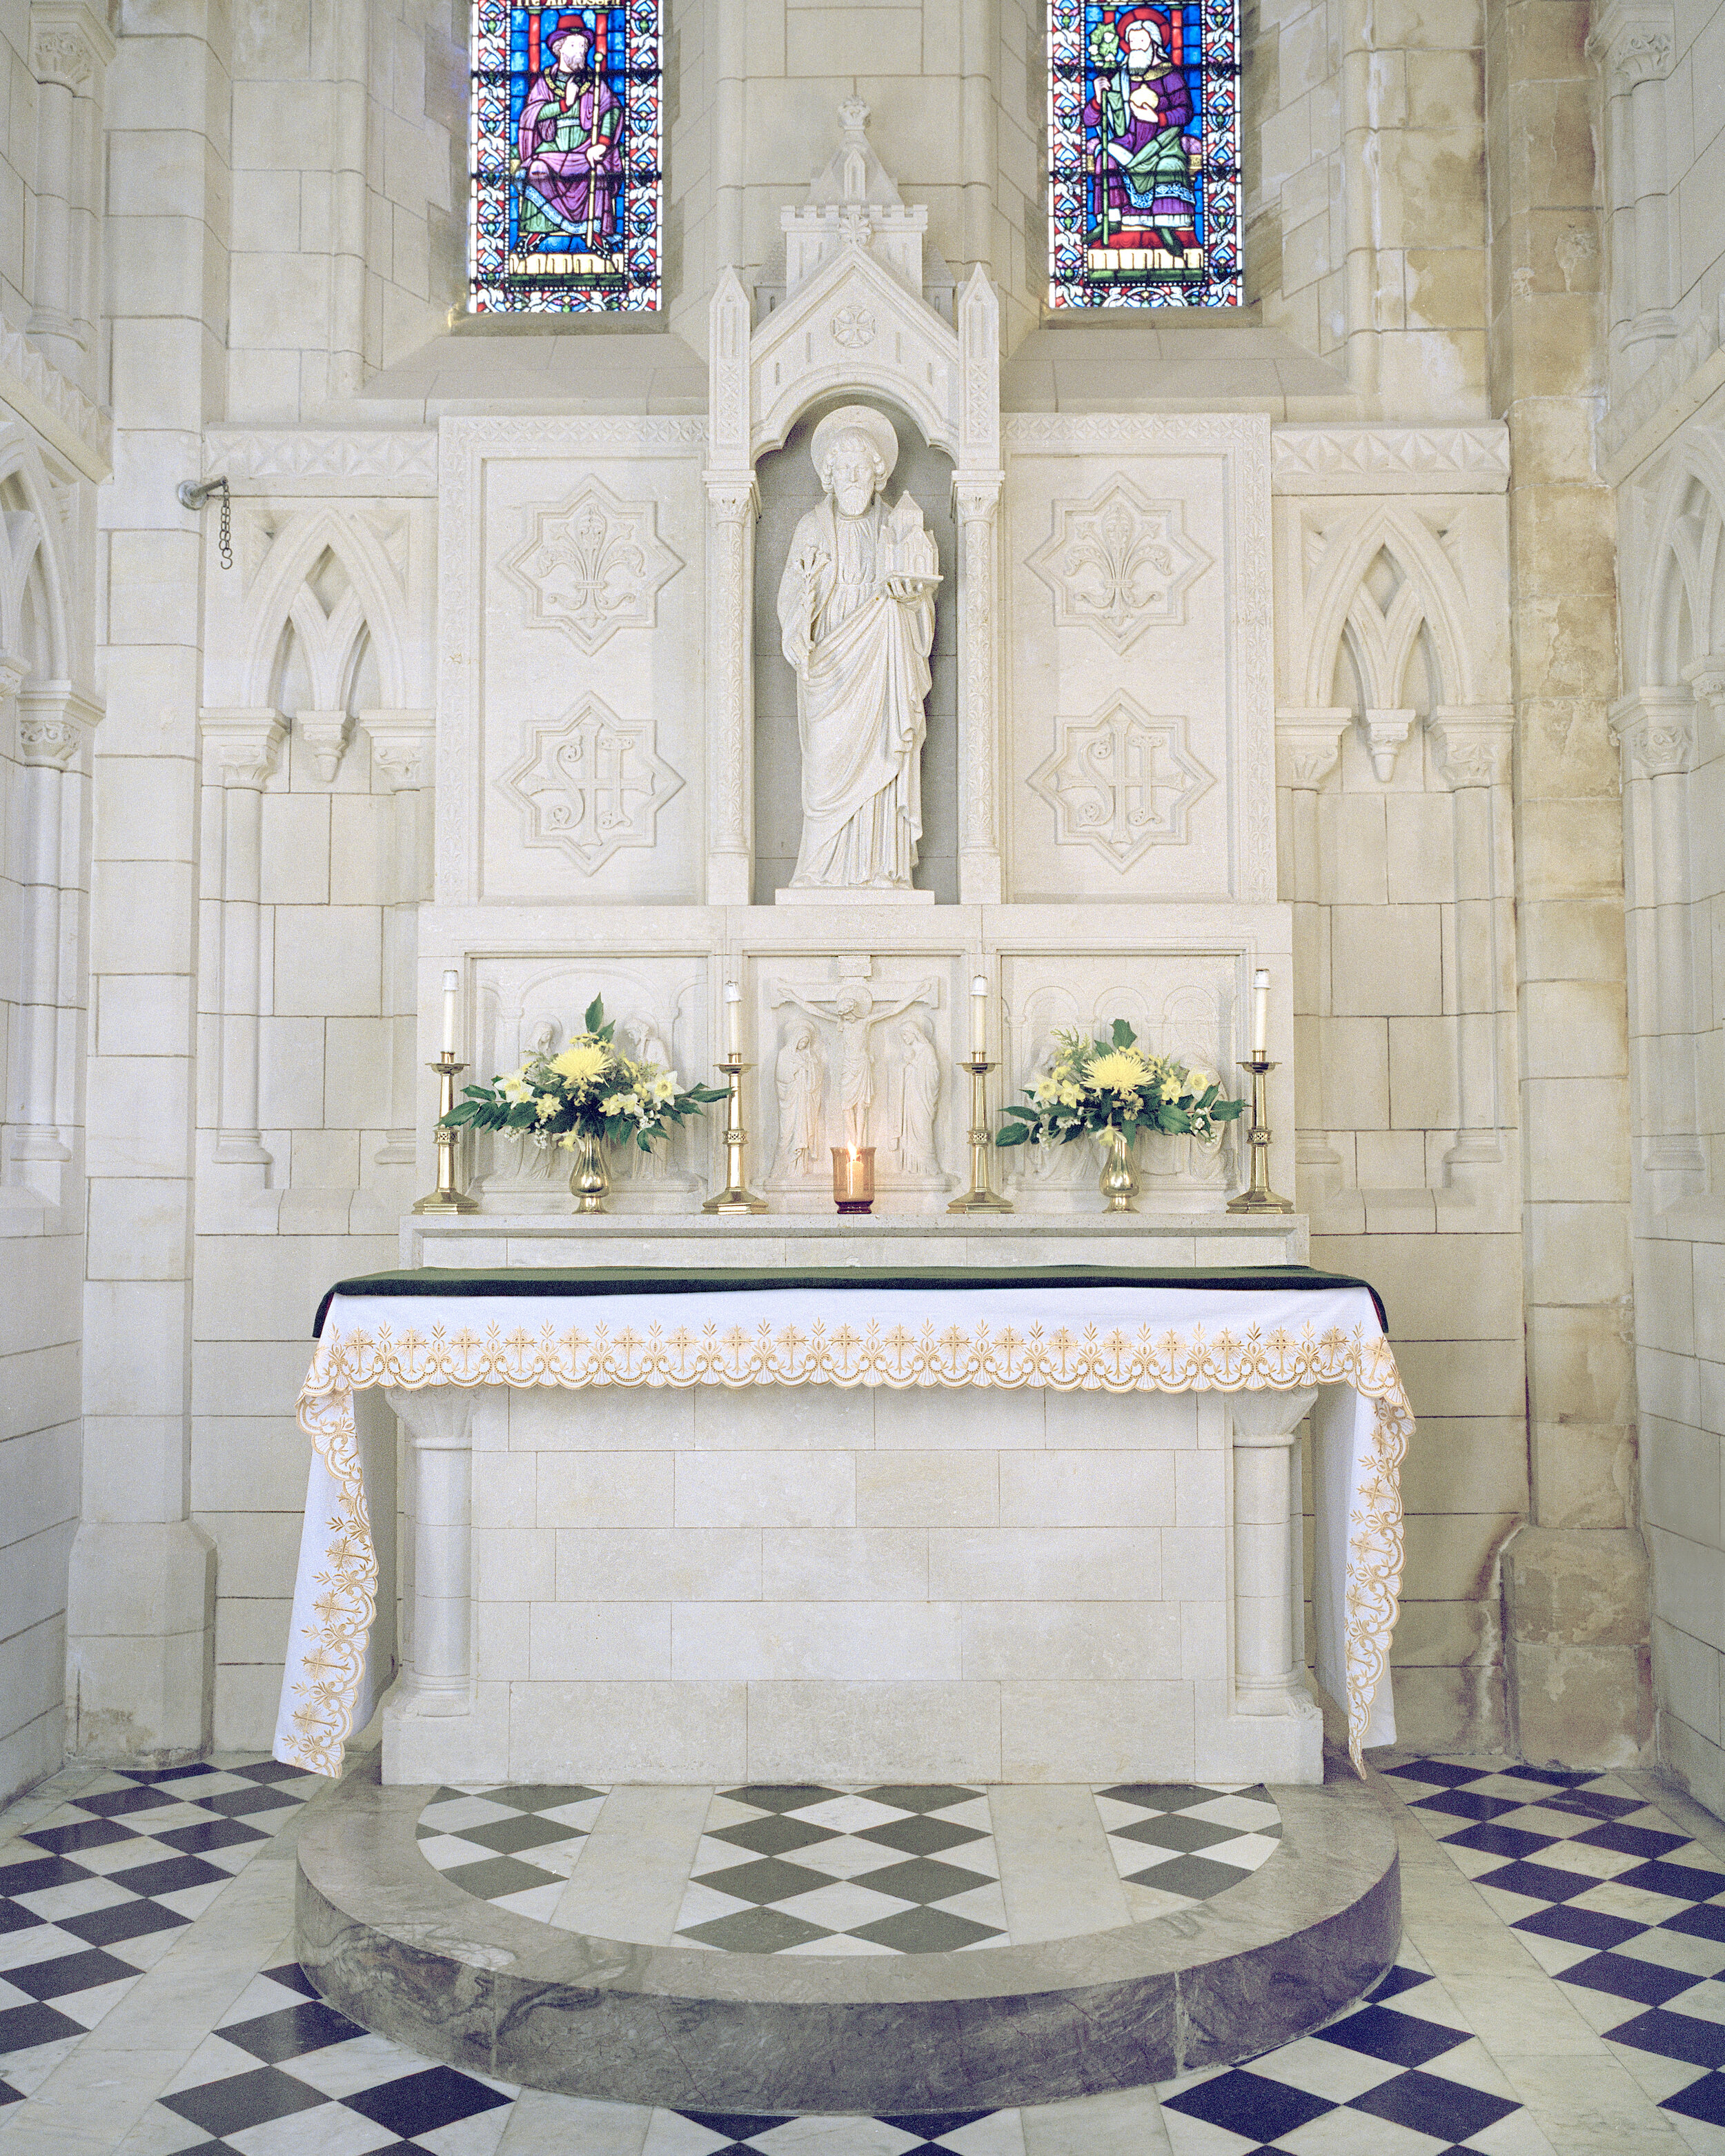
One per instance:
(856, 607)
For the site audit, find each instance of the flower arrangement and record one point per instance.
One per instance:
(592, 1090)
(1109, 1088)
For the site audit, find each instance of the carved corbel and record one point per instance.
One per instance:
(325, 734)
(1472, 745)
(1385, 731)
(1707, 677)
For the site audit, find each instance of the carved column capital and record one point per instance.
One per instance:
(1472, 744)
(244, 745)
(1656, 731)
(733, 497)
(69, 44)
(1308, 745)
(402, 743)
(976, 495)
(1634, 39)
(1707, 677)
(54, 721)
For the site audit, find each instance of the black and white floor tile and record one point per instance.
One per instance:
(810, 1870)
(514, 1846)
(1178, 1843)
(284, 2075)
(1401, 2075)
(1613, 1900)
(719, 2134)
(97, 1889)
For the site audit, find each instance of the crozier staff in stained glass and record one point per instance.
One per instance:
(566, 138)
(1143, 189)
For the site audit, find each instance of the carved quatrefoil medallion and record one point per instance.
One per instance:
(594, 566)
(1118, 563)
(1122, 782)
(592, 783)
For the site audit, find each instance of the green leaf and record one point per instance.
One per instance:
(1225, 1111)
(1011, 1134)
(595, 1014)
(644, 1141)
(1175, 1119)
(1124, 1036)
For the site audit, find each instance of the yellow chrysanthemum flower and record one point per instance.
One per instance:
(581, 1063)
(1121, 1070)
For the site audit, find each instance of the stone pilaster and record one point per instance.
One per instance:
(1575, 1577)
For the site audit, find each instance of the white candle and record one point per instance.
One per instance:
(979, 1016)
(452, 993)
(733, 1019)
(1261, 1013)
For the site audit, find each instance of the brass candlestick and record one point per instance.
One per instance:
(980, 1197)
(735, 1197)
(446, 1198)
(1258, 1197)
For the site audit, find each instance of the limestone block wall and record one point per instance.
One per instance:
(1661, 440)
(349, 216)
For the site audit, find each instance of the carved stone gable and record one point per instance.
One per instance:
(1118, 563)
(594, 566)
(1122, 782)
(592, 783)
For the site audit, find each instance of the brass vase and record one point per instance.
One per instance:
(1119, 1182)
(589, 1178)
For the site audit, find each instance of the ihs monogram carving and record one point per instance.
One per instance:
(1118, 563)
(594, 566)
(591, 784)
(1122, 782)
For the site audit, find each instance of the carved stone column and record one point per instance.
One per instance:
(241, 751)
(1633, 40)
(1656, 733)
(1267, 1678)
(976, 501)
(69, 50)
(54, 724)
(401, 753)
(1472, 749)
(733, 504)
(438, 1421)
(1308, 747)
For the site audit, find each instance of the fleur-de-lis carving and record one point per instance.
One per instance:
(1118, 562)
(594, 565)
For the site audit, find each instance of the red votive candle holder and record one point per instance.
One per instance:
(853, 1179)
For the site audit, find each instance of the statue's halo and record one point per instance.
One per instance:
(854, 419)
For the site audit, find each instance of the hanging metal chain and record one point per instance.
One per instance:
(224, 530)
(194, 494)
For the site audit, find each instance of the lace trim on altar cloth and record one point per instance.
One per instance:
(1065, 1359)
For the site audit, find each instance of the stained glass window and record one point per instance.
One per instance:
(1143, 185)
(567, 108)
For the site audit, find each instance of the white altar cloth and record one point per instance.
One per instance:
(1107, 1334)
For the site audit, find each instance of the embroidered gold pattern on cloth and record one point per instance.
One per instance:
(1065, 1357)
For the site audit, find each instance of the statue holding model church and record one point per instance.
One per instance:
(856, 609)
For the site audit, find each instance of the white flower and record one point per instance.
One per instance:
(1200, 1081)
(613, 1105)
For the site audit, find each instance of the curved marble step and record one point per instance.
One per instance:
(390, 1943)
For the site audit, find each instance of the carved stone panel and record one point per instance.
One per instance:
(1136, 556)
(592, 782)
(1118, 563)
(593, 565)
(1122, 782)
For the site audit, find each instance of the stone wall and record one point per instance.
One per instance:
(1664, 73)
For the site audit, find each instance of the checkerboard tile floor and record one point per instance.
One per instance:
(514, 1846)
(96, 1891)
(806, 1869)
(1623, 1909)
(1176, 1844)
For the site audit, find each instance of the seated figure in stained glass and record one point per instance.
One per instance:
(1141, 194)
(569, 159)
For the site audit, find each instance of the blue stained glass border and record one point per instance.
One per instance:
(542, 263)
(1082, 276)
